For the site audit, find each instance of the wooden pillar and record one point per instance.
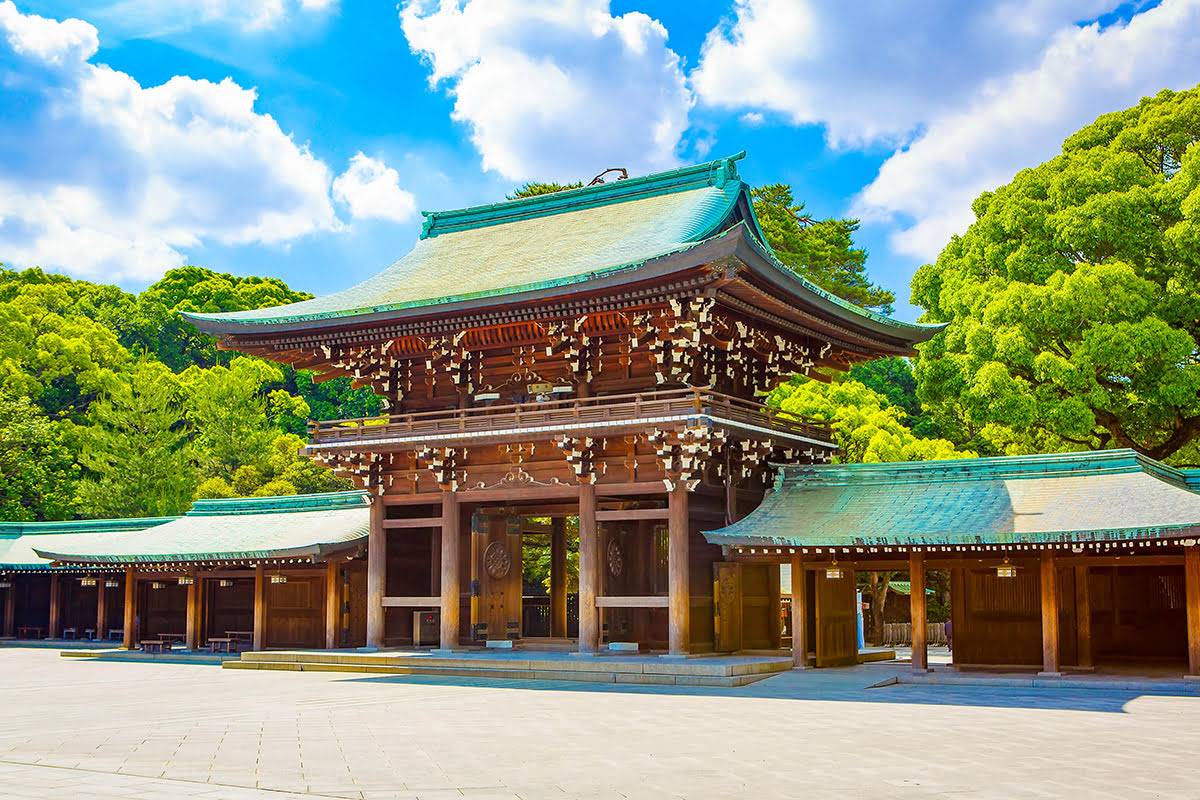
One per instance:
(589, 570)
(376, 574)
(260, 607)
(1191, 581)
(55, 607)
(1049, 575)
(192, 630)
(799, 612)
(333, 604)
(101, 608)
(10, 608)
(1083, 618)
(451, 580)
(678, 571)
(958, 614)
(558, 577)
(916, 606)
(130, 625)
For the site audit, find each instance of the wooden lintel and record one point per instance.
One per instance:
(649, 601)
(431, 498)
(411, 602)
(628, 514)
(419, 522)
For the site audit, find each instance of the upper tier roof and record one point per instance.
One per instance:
(1112, 495)
(566, 239)
(18, 539)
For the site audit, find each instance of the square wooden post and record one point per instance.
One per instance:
(129, 632)
(958, 614)
(376, 574)
(333, 603)
(1083, 617)
(558, 577)
(260, 607)
(1191, 582)
(192, 631)
(55, 607)
(10, 608)
(799, 612)
(101, 607)
(678, 571)
(451, 580)
(916, 606)
(589, 570)
(1051, 666)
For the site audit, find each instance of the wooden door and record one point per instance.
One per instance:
(837, 620)
(500, 571)
(727, 586)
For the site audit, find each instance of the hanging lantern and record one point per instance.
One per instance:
(186, 580)
(87, 580)
(111, 584)
(157, 585)
(225, 583)
(279, 577)
(834, 572)
(5, 583)
(1006, 570)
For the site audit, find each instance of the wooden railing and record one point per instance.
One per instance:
(609, 410)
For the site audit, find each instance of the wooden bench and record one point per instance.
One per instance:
(172, 638)
(154, 646)
(116, 634)
(69, 633)
(25, 631)
(89, 634)
(223, 644)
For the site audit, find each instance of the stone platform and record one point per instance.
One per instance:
(732, 670)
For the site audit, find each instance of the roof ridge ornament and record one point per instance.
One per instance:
(600, 178)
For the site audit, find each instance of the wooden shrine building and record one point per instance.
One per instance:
(599, 354)
(1063, 561)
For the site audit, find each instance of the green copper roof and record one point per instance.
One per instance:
(1074, 497)
(904, 587)
(300, 526)
(18, 539)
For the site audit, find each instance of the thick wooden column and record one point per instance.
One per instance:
(917, 608)
(260, 607)
(958, 613)
(333, 604)
(130, 625)
(376, 574)
(1049, 575)
(799, 612)
(1083, 618)
(192, 631)
(1191, 580)
(589, 570)
(558, 577)
(678, 572)
(10, 609)
(451, 580)
(101, 608)
(54, 631)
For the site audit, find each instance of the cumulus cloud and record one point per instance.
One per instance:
(877, 71)
(371, 189)
(106, 179)
(555, 89)
(1022, 120)
(248, 16)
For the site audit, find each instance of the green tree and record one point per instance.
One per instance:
(37, 468)
(135, 449)
(533, 189)
(894, 379)
(822, 251)
(1073, 300)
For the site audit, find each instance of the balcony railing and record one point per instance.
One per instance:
(605, 412)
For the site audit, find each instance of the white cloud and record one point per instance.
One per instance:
(106, 179)
(1022, 120)
(878, 69)
(371, 189)
(555, 90)
(249, 16)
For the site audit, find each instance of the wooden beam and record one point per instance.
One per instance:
(1191, 579)
(1049, 583)
(916, 606)
(333, 604)
(958, 613)
(647, 601)
(589, 570)
(449, 598)
(101, 609)
(799, 612)
(412, 602)
(376, 576)
(430, 522)
(129, 637)
(631, 514)
(429, 499)
(54, 630)
(1083, 617)
(260, 607)
(678, 572)
(192, 611)
(558, 577)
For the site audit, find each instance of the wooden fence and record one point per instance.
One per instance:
(899, 634)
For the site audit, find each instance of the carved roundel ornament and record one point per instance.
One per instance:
(496, 560)
(616, 558)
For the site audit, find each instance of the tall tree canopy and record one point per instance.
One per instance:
(1074, 298)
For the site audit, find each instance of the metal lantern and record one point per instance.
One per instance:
(186, 580)
(225, 583)
(834, 572)
(87, 580)
(157, 585)
(1006, 570)
(279, 577)
(111, 584)
(5, 583)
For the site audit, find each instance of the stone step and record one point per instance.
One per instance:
(506, 672)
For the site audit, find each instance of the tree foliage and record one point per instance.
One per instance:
(534, 189)
(1073, 300)
(37, 467)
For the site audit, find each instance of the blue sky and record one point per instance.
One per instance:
(299, 138)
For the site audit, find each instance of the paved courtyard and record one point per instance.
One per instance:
(88, 729)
